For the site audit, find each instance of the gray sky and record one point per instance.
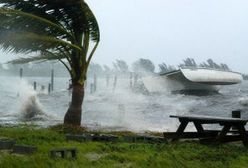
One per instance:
(171, 30)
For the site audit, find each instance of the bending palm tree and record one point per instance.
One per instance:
(52, 30)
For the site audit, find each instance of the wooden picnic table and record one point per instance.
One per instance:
(233, 129)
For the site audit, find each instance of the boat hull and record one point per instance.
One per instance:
(211, 76)
(191, 81)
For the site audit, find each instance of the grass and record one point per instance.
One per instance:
(119, 154)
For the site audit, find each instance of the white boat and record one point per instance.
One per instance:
(191, 80)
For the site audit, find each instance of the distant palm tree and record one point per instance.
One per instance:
(64, 30)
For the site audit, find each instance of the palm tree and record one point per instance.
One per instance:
(64, 30)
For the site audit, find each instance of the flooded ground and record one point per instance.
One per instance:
(108, 108)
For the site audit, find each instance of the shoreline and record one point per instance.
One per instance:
(116, 154)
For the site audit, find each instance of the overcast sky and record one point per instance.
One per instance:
(171, 30)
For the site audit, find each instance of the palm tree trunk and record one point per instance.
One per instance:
(73, 114)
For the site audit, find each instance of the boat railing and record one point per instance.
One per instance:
(208, 68)
(195, 68)
(169, 72)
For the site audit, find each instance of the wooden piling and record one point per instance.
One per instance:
(35, 85)
(91, 88)
(52, 79)
(135, 79)
(95, 82)
(236, 114)
(49, 88)
(21, 72)
(85, 84)
(107, 80)
(115, 82)
(131, 80)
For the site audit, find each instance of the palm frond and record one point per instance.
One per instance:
(63, 29)
(26, 42)
(69, 16)
(91, 22)
(23, 21)
(43, 57)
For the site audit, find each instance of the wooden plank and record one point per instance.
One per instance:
(24, 149)
(231, 138)
(198, 127)
(208, 119)
(180, 130)
(207, 140)
(226, 139)
(243, 134)
(214, 136)
(63, 153)
(223, 133)
(191, 135)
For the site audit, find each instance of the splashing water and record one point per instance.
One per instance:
(31, 108)
(108, 108)
(243, 101)
(28, 104)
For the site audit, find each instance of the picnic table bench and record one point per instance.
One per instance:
(233, 129)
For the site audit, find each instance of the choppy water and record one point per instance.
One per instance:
(111, 109)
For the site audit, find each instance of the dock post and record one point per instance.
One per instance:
(135, 80)
(49, 88)
(21, 72)
(52, 79)
(115, 82)
(236, 114)
(35, 85)
(91, 88)
(95, 82)
(42, 88)
(85, 84)
(131, 80)
(107, 80)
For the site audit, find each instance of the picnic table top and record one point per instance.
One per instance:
(209, 118)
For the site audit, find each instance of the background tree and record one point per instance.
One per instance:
(52, 30)
(211, 64)
(120, 66)
(95, 68)
(188, 62)
(143, 65)
(224, 67)
(107, 70)
(163, 68)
